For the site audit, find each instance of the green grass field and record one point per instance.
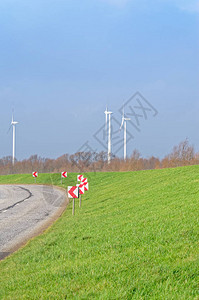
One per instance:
(135, 237)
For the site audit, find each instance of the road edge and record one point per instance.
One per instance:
(42, 228)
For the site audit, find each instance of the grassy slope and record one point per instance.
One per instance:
(135, 237)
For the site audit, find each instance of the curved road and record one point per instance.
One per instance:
(25, 211)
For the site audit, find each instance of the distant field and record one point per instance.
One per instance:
(135, 237)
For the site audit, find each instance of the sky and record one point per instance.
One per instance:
(63, 61)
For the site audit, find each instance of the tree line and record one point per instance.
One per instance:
(181, 155)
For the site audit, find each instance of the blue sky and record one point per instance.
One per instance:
(63, 61)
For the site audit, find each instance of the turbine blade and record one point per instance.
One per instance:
(12, 116)
(122, 124)
(9, 129)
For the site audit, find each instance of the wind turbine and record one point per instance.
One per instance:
(124, 120)
(13, 124)
(108, 113)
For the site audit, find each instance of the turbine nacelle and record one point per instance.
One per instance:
(124, 120)
(108, 112)
(14, 123)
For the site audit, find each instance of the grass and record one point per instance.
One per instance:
(135, 237)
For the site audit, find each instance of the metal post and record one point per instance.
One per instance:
(73, 206)
(80, 200)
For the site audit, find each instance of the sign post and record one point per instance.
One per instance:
(35, 175)
(81, 192)
(73, 193)
(63, 175)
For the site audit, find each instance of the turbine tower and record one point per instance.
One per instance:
(124, 120)
(108, 113)
(13, 125)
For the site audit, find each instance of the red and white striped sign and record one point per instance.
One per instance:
(80, 177)
(84, 180)
(81, 188)
(35, 174)
(64, 174)
(73, 192)
(85, 186)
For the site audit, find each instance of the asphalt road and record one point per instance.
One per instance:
(25, 211)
